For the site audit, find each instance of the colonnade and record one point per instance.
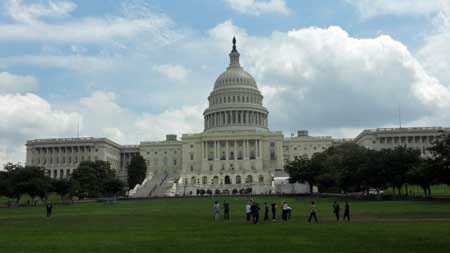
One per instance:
(231, 149)
(238, 117)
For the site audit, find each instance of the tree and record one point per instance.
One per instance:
(441, 157)
(62, 186)
(136, 171)
(112, 187)
(398, 162)
(28, 180)
(424, 175)
(301, 170)
(90, 177)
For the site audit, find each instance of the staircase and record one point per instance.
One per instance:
(165, 187)
(158, 185)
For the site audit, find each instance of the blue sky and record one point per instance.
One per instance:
(135, 70)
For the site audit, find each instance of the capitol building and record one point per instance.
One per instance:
(236, 152)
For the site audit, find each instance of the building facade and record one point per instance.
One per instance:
(419, 138)
(236, 152)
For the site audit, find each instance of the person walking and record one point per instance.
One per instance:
(284, 209)
(346, 211)
(216, 209)
(226, 210)
(312, 212)
(336, 209)
(274, 210)
(49, 208)
(255, 212)
(266, 211)
(248, 211)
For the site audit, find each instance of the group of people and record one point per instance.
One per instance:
(337, 209)
(252, 210)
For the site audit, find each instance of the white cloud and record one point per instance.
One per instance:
(103, 116)
(259, 7)
(434, 53)
(29, 116)
(373, 8)
(10, 83)
(21, 12)
(331, 80)
(173, 72)
(88, 30)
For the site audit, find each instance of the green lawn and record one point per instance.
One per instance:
(185, 225)
(415, 190)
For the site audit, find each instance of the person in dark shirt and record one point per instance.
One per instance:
(226, 210)
(336, 209)
(49, 208)
(274, 210)
(255, 212)
(346, 211)
(266, 211)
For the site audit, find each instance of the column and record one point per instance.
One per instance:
(206, 149)
(235, 150)
(226, 151)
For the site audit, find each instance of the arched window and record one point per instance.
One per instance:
(261, 179)
(215, 180)
(238, 179)
(227, 180)
(193, 181)
(249, 179)
(204, 180)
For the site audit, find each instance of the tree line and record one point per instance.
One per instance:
(349, 167)
(89, 180)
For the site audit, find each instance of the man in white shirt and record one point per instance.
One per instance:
(248, 211)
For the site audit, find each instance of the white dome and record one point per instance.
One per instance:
(235, 76)
(235, 102)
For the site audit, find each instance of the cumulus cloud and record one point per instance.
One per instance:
(21, 12)
(259, 7)
(434, 53)
(10, 83)
(104, 116)
(373, 8)
(173, 72)
(29, 116)
(332, 80)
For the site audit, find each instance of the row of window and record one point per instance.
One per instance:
(407, 139)
(58, 150)
(230, 167)
(60, 160)
(235, 99)
(225, 180)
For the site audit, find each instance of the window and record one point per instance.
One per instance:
(238, 179)
(227, 180)
(192, 168)
(204, 180)
(249, 179)
(261, 179)
(210, 167)
(192, 156)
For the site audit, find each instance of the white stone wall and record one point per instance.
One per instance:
(61, 156)
(388, 138)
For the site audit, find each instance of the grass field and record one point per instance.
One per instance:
(185, 225)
